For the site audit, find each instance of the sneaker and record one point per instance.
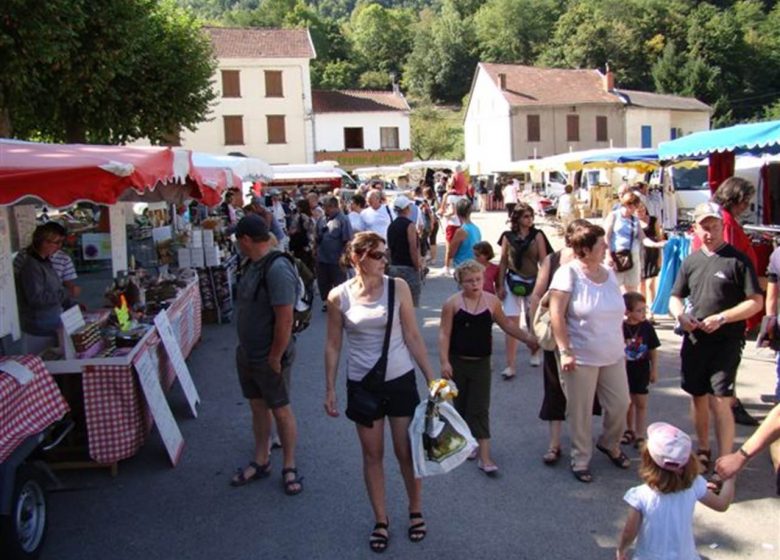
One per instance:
(508, 374)
(536, 359)
(741, 415)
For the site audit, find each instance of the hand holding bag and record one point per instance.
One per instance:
(363, 402)
(542, 324)
(624, 260)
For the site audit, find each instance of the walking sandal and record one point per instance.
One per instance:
(379, 541)
(417, 531)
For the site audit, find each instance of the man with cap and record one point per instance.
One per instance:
(722, 287)
(334, 231)
(377, 216)
(404, 247)
(266, 295)
(280, 216)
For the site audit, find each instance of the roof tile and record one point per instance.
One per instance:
(662, 101)
(257, 42)
(354, 101)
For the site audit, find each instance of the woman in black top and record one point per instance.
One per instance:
(404, 245)
(651, 255)
(465, 346)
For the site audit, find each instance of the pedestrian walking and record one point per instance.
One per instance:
(651, 254)
(403, 243)
(377, 217)
(484, 254)
(624, 236)
(360, 308)
(266, 350)
(721, 285)
(461, 246)
(509, 194)
(333, 233)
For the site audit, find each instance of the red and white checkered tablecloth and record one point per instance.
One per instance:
(116, 414)
(26, 410)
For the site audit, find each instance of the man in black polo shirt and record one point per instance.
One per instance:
(722, 287)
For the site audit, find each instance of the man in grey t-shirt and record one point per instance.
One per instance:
(334, 231)
(266, 349)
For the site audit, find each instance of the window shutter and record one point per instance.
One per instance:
(234, 129)
(273, 83)
(601, 129)
(231, 83)
(276, 130)
(534, 128)
(572, 128)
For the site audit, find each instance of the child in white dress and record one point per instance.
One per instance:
(661, 510)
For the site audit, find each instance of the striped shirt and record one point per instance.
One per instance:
(60, 261)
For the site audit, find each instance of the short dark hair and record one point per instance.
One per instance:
(632, 299)
(584, 236)
(733, 191)
(359, 200)
(47, 231)
(331, 201)
(484, 248)
(463, 208)
(570, 230)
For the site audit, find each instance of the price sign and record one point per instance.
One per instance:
(173, 350)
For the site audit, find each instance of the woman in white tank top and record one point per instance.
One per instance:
(358, 307)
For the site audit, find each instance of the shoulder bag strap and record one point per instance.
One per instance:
(390, 314)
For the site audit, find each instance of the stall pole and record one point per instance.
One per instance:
(118, 228)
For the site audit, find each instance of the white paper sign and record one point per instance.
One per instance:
(176, 357)
(16, 370)
(72, 320)
(9, 317)
(149, 377)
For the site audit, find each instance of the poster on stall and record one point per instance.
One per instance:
(9, 318)
(149, 377)
(176, 357)
(96, 246)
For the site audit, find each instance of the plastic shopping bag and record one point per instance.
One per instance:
(441, 439)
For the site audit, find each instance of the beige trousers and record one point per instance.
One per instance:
(580, 386)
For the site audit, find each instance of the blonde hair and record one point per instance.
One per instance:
(469, 266)
(665, 481)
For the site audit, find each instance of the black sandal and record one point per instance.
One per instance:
(289, 483)
(552, 456)
(583, 475)
(377, 541)
(628, 438)
(621, 460)
(417, 531)
(261, 471)
(705, 459)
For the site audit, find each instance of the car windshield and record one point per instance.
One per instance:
(694, 179)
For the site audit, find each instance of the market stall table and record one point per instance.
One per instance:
(117, 419)
(27, 409)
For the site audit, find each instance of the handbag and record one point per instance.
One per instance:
(363, 401)
(542, 325)
(520, 285)
(623, 259)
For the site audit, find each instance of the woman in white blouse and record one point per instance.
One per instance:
(586, 311)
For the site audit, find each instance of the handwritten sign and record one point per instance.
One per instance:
(22, 374)
(176, 357)
(72, 320)
(9, 317)
(149, 377)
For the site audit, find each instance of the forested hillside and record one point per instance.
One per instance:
(725, 53)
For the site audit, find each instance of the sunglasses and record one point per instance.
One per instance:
(376, 255)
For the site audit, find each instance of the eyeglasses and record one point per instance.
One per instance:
(376, 255)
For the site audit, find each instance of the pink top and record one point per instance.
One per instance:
(491, 273)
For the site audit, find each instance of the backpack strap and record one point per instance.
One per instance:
(263, 282)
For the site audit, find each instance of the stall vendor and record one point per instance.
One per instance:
(40, 291)
(60, 260)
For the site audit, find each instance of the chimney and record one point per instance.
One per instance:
(609, 79)
(502, 81)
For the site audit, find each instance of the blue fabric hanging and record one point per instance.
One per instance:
(675, 251)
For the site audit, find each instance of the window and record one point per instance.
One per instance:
(234, 129)
(273, 83)
(231, 83)
(601, 129)
(534, 131)
(572, 128)
(647, 136)
(388, 137)
(353, 138)
(675, 133)
(276, 132)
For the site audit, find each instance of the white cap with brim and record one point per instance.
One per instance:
(706, 210)
(401, 202)
(668, 445)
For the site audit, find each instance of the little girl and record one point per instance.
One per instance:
(661, 511)
(465, 346)
(641, 365)
(483, 253)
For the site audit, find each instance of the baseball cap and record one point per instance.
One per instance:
(668, 445)
(706, 210)
(401, 202)
(254, 227)
(275, 192)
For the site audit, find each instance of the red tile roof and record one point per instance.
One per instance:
(256, 42)
(530, 85)
(357, 101)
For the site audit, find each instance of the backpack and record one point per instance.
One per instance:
(302, 308)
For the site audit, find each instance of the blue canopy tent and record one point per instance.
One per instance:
(754, 138)
(644, 159)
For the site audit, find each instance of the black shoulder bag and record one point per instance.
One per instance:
(363, 403)
(623, 259)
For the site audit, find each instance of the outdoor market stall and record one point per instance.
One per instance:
(116, 416)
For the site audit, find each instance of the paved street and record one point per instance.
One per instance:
(152, 511)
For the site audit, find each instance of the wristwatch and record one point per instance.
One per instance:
(566, 352)
(721, 318)
(744, 453)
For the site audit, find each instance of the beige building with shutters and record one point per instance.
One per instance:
(264, 106)
(518, 112)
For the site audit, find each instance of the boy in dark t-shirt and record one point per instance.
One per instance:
(641, 365)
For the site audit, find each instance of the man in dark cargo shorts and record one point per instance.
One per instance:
(266, 349)
(723, 291)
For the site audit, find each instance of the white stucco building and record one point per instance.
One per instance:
(361, 128)
(518, 112)
(264, 106)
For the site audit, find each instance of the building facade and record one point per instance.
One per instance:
(264, 106)
(520, 112)
(359, 128)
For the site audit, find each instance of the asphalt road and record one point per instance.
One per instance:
(531, 511)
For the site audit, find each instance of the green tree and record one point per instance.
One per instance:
(133, 68)
(339, 74)
(436, 134)
(513, 31)
(381, 37)
(375, 80)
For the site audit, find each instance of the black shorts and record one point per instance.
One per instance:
(638, 377)
(709, 367)
(259, 381)
(399, 396)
